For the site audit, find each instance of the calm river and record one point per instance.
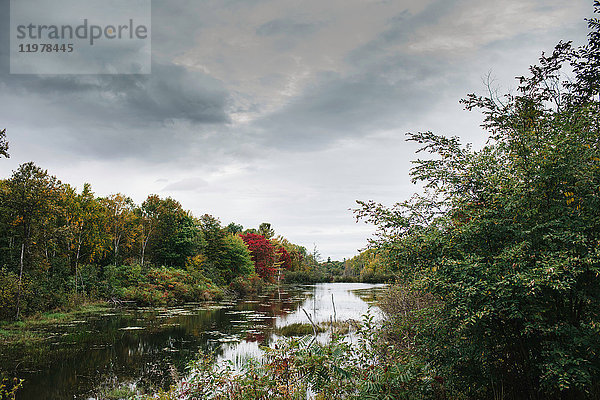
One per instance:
(146, 347)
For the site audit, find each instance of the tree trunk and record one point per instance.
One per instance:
(144, 243)
(20, 280)
(77, 258)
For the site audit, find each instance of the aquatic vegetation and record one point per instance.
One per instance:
(169, 286)
(299, 367)
(296, 329)
(117, 393)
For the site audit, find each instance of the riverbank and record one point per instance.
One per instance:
(343, 358)
(30, 330)
(88, 354)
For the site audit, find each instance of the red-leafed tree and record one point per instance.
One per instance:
(264, 255)
(285, 259)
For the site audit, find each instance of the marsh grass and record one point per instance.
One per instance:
(117, 393)
(303, 329)
(297, 329)
(31, 330)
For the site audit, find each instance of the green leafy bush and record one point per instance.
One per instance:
(507, 239)
(39, 292)
(363, 369)
(376, 277)
(119, 277)
(9, 288)
(247, 285)
(169, 286)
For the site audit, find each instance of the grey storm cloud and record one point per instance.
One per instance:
(170, 92)
(335, 111)
(377, 85)
(342, 108)
(147, 117)
(385, 89)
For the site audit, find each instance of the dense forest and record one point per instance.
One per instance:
(60, 246)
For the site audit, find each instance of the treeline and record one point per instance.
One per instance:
(367, 266)
(58, 245)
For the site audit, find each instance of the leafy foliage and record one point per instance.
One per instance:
(507, 238)
(265, 230)
(172, 232)
(59, 245)
(9, 387)
(295, 367)
(170, 286)
(263, 255)
(3, 144)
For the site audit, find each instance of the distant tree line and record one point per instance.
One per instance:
(57, 242)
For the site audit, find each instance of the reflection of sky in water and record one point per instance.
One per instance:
(320, 307)
(141, 345)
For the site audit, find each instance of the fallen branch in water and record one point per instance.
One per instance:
(313, 326)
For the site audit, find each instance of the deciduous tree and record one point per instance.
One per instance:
(263, 255)
(29, 197)
(508, 238)
(3, 144)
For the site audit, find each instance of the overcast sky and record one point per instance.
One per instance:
(279, 111)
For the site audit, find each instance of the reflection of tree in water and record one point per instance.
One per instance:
(370, 295)
(140, 346)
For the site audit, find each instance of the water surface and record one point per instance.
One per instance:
(149, 347)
